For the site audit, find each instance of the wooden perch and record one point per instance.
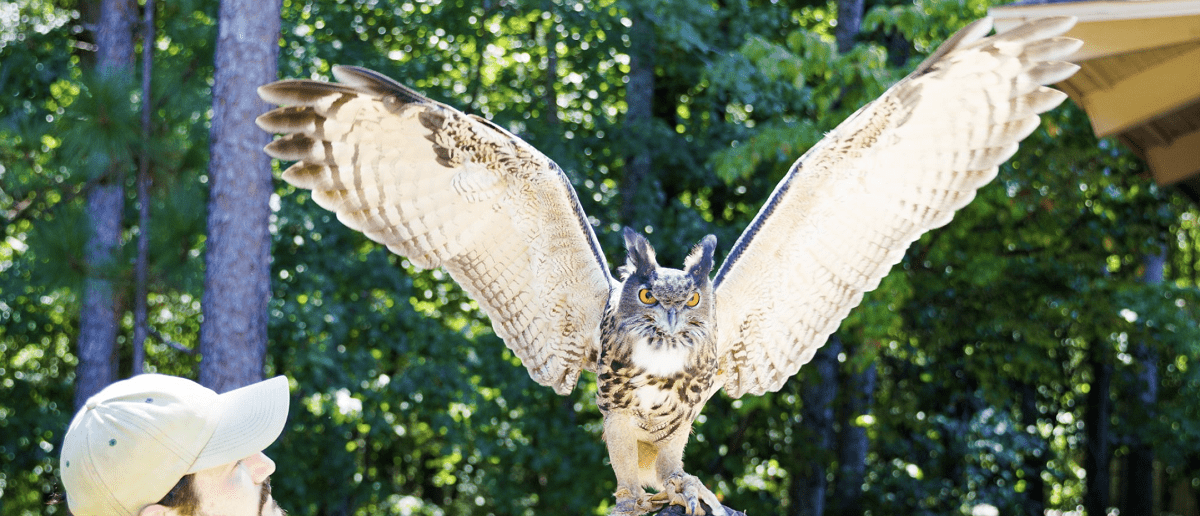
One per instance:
(678, 510)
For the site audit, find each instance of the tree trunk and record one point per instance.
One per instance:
(1139, 475)
(233, 335)
(639, 96)
(859, 394)
(849, 23)
(1096, 431)
(141, 324)
(101, 313)
(858, 386)
(549, 41)
(1034, 503)
(809, 480)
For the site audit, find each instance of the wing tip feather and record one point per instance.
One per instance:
(1051, 72)
(290, 119)
(1038, 29)
(1052, 49)
(1044, 99)
(300, 92)
(291, 147)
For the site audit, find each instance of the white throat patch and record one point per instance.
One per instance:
(659, 362)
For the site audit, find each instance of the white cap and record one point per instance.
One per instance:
(133, 441)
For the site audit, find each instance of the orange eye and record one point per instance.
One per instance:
(694, 299)
(646, 297)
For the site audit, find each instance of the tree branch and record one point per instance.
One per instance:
(163, 339)
(25, 208)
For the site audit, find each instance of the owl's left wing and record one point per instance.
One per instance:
(850, 207)
(451, 190)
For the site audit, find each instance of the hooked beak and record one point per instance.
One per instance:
(673, 320)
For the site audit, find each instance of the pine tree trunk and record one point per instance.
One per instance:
(233, 335)
(859, 394)
(809, 479)
(849, 18)
(639, 96)
(1034, 503)
(141, 323)
(100, 317)
(1096, 429)
(1139, 474)
(549, 41)
(857, 386)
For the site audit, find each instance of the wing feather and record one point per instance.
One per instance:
(849, 208)
(450, 190)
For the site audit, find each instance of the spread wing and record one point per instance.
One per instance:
(850, 206)
(451, 190)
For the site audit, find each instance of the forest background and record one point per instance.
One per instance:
(1034, 355)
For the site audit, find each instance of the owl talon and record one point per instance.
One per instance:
(630, 505)
(687, 491)
(652, 503)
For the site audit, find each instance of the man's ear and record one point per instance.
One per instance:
(156, 510)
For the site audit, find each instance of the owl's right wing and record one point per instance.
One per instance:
(450, 190)
(850, 207)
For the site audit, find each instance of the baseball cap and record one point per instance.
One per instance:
(133, 441)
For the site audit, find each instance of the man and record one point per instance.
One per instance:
(156, 445)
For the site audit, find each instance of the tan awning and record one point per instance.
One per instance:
(1140, 76)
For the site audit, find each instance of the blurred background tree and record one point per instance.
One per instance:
(237, 257)
(1004, 362)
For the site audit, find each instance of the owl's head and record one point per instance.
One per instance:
(668, 301)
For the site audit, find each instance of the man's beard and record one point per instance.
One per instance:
(265, 497)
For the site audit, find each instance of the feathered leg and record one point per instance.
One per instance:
(619, 432)
(680, 488)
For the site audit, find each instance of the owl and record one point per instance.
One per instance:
(452, 190)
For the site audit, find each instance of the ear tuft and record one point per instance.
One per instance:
(699, 262)
(640, 259)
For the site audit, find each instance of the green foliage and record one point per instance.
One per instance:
(62, 129)
(924, 23)
(102, 125)
(799, 89)
(405, 402)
